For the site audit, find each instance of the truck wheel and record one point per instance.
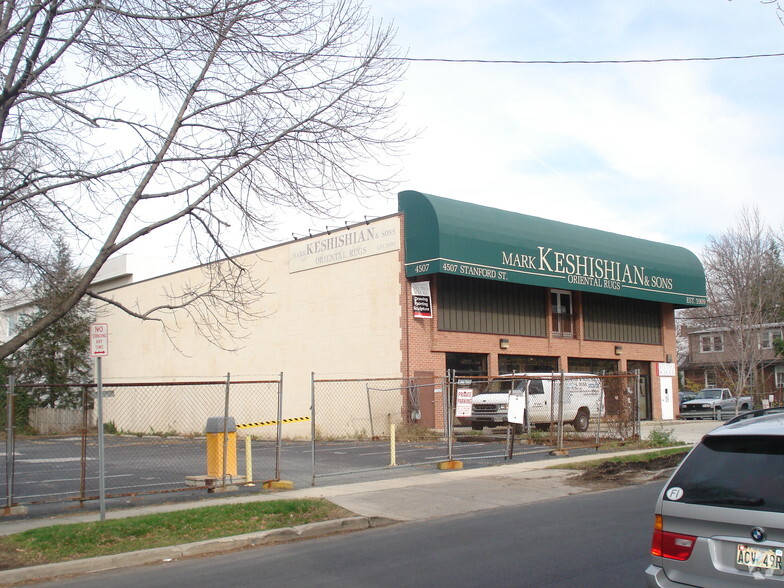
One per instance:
(581, 421)
(518, 429)
(477, 426)
(744, 406)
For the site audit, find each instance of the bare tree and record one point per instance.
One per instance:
(121, 118)
(779, 8)
(745, 281)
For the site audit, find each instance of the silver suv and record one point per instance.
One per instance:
(719, 520)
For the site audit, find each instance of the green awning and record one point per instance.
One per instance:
(451, 237)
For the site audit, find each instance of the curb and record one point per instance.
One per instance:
(208, 547)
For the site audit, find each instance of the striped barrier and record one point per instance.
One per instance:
(269, 423)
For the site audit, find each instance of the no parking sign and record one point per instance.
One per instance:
(99, 340)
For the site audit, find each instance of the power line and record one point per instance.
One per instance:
(581, 61)
(286, 54)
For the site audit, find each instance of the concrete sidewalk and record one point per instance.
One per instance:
(376, 503)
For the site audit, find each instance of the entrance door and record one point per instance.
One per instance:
(644, 398)
(424, 390)
(667, 402)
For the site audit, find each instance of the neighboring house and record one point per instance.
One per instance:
(12, 310)
(711, 355)
(120, 270)
(441, 285)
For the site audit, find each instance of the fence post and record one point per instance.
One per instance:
(313, 428)
(560, 412)
(279, 441)
(600, 412)
(637, 391)
(226, 427)
(9, 442)
(370, 410)
(449, 412)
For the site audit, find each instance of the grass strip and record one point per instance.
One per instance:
(632, 457)
(75, 541)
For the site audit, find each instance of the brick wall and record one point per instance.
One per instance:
(424, 347)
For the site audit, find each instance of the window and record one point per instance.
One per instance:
(711, 343)
(768, 337)
(779, 376)
(13, 325)
(589, 365)
(563, 320)
(518, 364)
(467, 364)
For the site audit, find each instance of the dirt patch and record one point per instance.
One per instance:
(611, 474)
(11, 558)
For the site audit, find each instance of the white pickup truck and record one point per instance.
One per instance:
(714, 403)
(583, 398)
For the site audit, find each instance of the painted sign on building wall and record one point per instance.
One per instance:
(347, 244)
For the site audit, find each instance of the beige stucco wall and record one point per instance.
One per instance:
(339, 320)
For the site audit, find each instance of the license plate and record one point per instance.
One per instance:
(749, 558)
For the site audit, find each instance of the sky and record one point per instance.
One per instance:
(664, 151)
(669, 152)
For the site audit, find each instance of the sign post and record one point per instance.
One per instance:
(99, 347)
(515, 415)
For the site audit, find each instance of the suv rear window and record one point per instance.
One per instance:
(734, 471)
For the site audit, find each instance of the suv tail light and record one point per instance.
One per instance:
(670, 545)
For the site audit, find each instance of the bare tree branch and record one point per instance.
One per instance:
(196, 115)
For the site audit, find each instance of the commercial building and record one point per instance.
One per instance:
(440, 285)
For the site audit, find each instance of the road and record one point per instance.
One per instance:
(588, 540)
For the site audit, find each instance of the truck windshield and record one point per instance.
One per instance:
(504, 386)
(709, 394)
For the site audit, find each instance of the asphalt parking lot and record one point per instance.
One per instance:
(56, 474)
(51, 474)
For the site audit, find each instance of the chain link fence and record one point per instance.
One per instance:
(365, 425)
(175, 437)
(542, 413)
(156, 439)
(353, 422)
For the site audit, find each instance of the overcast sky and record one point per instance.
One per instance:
(666, 151)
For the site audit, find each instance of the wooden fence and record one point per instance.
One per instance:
(52, 421)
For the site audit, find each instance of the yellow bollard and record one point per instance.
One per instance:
(215, 447)
(392, 456)
(248, 460)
